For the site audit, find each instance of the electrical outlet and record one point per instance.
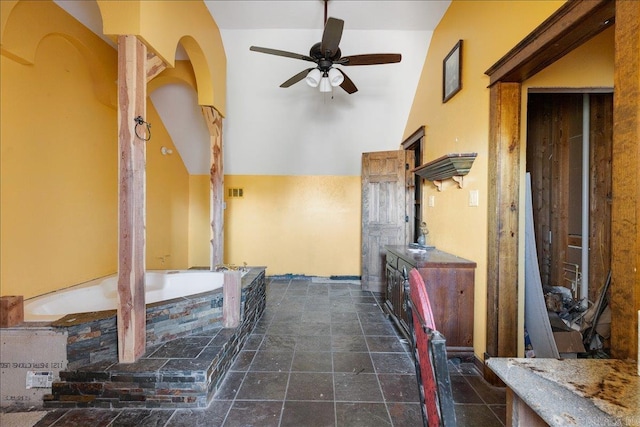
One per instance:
(432, 201)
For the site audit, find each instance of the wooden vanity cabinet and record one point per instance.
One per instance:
(449, 280)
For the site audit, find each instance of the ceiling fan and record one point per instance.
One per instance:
(326, 54)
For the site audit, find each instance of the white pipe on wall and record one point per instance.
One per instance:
(584, 283)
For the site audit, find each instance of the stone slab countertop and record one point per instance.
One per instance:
(575, 392)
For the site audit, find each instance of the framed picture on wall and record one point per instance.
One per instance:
(451, 72)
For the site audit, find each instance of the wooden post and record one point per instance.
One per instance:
(503, 200)
(214, 124)
(232, 294)
(132, 94)
(11, 310)
(625, 214)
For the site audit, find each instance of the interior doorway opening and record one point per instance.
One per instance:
(569, 153)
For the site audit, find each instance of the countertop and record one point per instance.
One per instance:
(429, 257)
(575, 392)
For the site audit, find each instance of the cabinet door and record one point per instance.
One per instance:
(451, 293)
(392, 274)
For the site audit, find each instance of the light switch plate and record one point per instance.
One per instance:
(474, 198)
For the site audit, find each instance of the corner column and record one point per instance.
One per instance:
(214, 124)
(132, 94)
(504, 202)
(625, 214)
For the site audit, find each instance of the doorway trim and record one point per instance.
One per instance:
(415, 143)
(572, 25)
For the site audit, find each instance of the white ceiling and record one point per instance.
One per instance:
(377, 26)
(412, 15)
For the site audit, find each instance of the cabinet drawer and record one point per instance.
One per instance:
(403, 263)
(392, 260)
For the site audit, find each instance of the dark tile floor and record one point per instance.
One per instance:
(323, 354)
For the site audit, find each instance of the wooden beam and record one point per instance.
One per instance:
(214, 124)
(155, 65)
(573, 24)
(625, 215)
(232, 299)
(504, 190)
(132, 95)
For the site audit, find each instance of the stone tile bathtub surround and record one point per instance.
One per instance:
(183, 371)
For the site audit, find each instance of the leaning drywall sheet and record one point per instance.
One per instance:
(30, 360)
(536, 318)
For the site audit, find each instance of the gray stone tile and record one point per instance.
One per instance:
(399, 388)
(362, 415)
(142, 418)
(405, 414)
(490, 395)
(275, 361)
(352, 328)
(263, 386)
(87, 417)
(468, 415)
(462, 390)
(357, 388)
(312, 361)
(313, 343)
(379, 328)
(229, 387)
(253, 413)
(213, 415)
(310, 386)
(393, 363)
(386, 344)
(308, 414)
(348, 343)
(278, 343)
(352, 362)
(243, 361)
(314, 328)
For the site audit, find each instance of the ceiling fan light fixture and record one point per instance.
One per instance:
(325, 85)
(335, 77)
(313, 78)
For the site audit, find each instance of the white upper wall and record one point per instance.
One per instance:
(300, 131)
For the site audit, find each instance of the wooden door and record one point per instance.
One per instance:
(387, 210)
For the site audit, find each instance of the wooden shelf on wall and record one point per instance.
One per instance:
(453, 165)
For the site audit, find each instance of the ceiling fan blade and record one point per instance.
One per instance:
(370, 59)
(281, 53)
(295, 79)
(331, 37)
(347, 84)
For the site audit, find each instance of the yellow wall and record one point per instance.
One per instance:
(59, 154)
(199, 220)
(167, 221)
(295, 224)
(462, 124)
(59, 174)
(488, 30)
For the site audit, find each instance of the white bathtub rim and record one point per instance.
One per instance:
(30, 317)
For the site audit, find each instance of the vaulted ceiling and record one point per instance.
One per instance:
(257, 109)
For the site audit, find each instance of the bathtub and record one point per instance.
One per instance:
(102, 294)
